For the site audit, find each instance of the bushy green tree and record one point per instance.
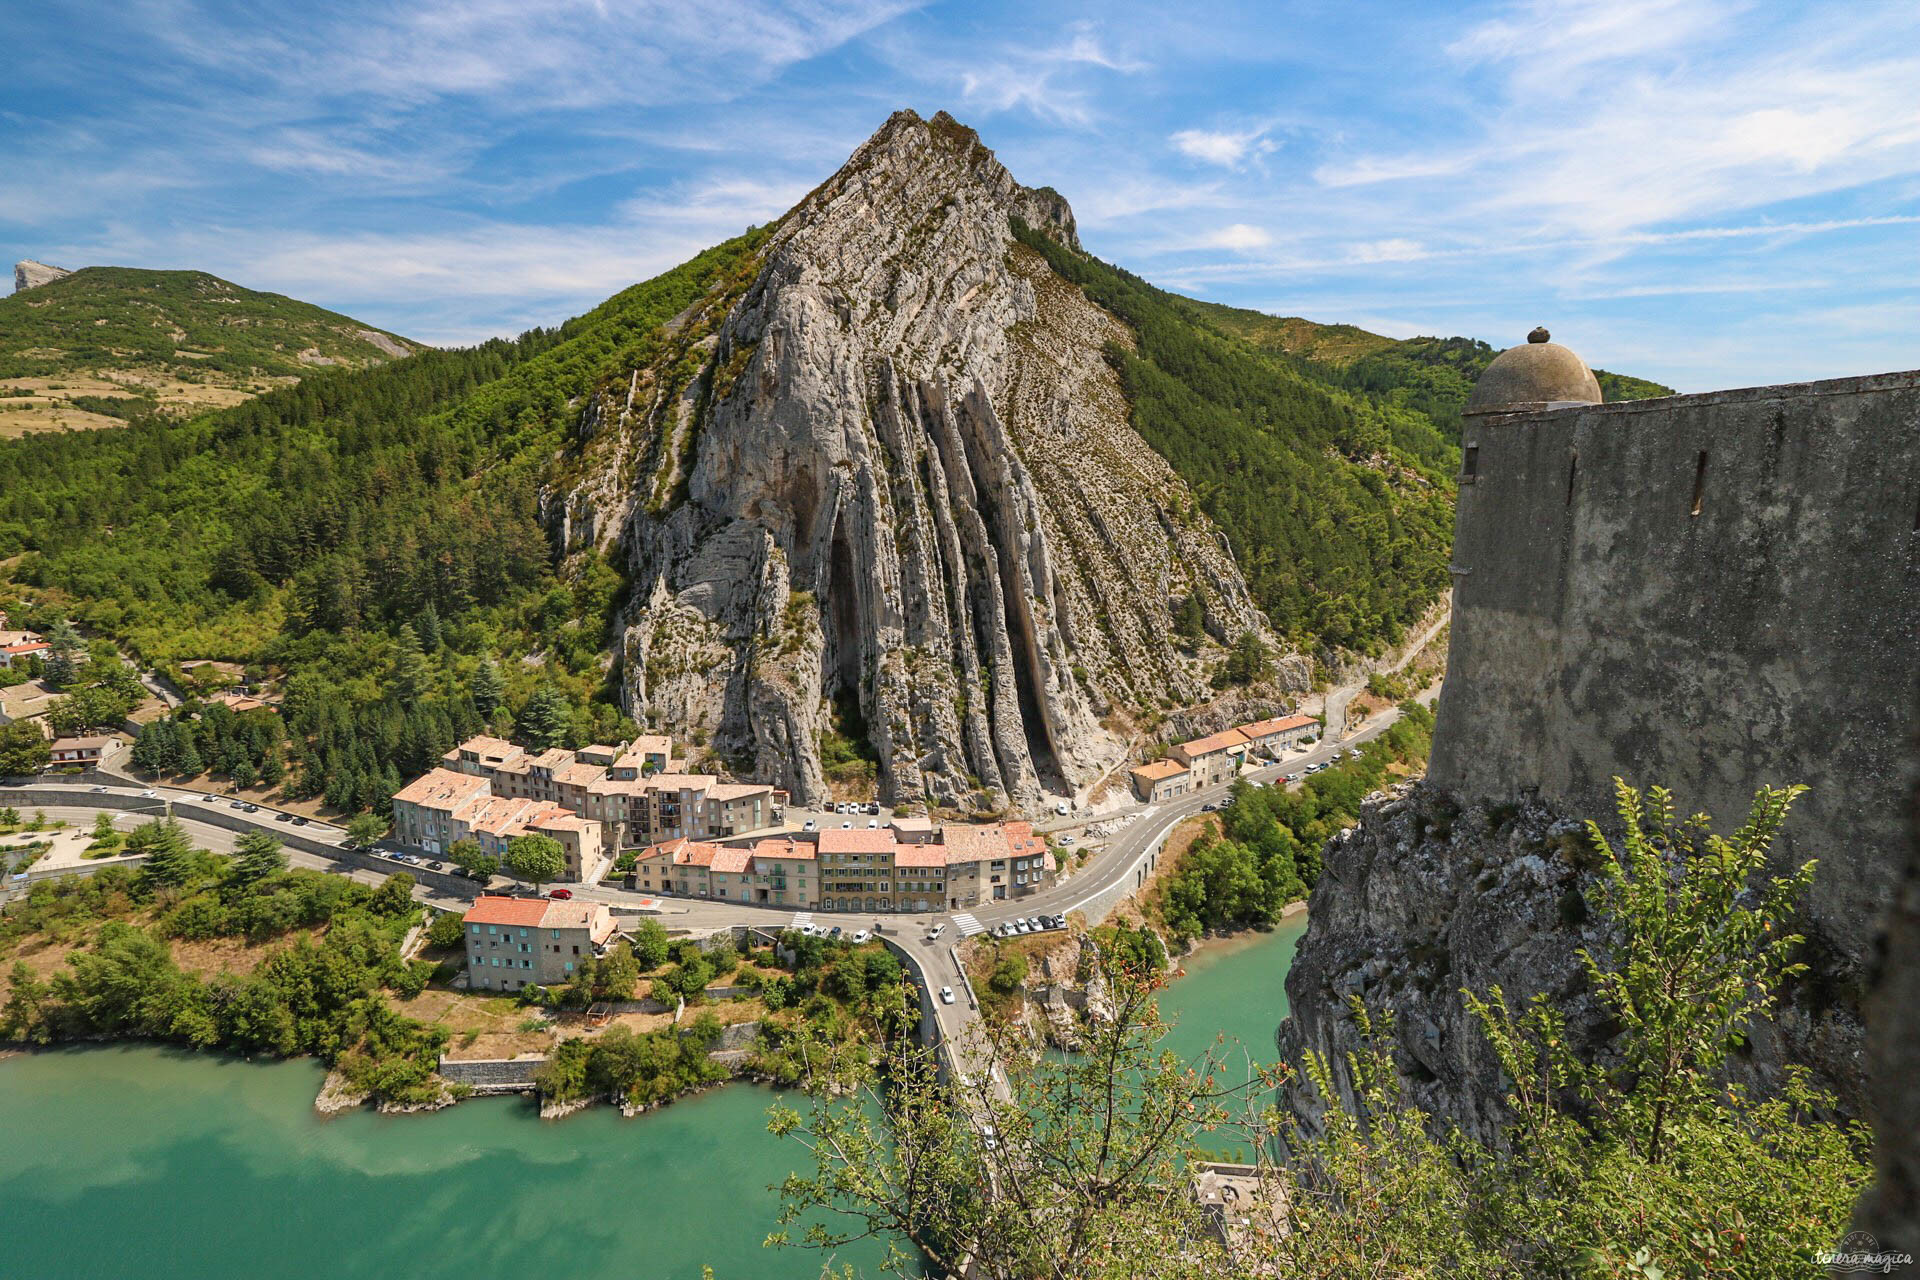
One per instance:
(446, 932)
(256, 857)
(487, 688)
(650, 945)
(364, 829)
(24, 750)
(546, 719)
(536, 858)
(168, 852)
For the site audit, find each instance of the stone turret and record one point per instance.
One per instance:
(29, 274)
(1539, 375)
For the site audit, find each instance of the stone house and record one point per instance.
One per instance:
(1282, 733)
(512, 942)
(84, 751)
(1159, 780)
(1213, 759)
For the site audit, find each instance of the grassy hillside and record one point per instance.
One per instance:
(111, 343)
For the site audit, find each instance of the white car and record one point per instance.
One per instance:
(934, 933)
(872, 823)
(1066, 839)
(846, 826)
(946, 995)
(1063, 808)
(862, 936)
(208, 799)
(151, 794)
(809, 825)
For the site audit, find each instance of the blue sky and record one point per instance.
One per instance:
(1705, 192)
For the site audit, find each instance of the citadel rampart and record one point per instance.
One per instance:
(1710, 592)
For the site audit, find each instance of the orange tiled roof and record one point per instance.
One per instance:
(1159, 770)
(1279, 724)
(731, 858)
(856, 840)
(777, 847)
(1221, 741)
(489, 909)
(920, 855)
(442, 788)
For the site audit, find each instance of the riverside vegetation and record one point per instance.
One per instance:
(1265, 851)
(324, 954)
(1645, 1164)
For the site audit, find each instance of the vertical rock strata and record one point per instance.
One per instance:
(894, 467)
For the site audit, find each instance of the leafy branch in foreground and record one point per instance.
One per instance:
(1643, 1162)
(1045, 1166)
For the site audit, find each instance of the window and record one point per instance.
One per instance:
(1470, 462)
(474, 927)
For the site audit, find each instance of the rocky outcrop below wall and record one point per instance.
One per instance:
(1890, 1210)
(902, 477)
(31, 275)
(1428, 895)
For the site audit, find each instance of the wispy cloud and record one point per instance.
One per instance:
(1225, 148)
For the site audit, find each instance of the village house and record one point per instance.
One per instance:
(627, 788)
(857, 869)
(441, 808)
(1213, 759)
(18, 646)
(84, 751)
(1160, 780)
(512, 942)
(1269, 738)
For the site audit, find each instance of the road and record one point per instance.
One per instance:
(1092, 889)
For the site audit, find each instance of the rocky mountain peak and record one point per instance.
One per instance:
(884, 482)
(28, 274)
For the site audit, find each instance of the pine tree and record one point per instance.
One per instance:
(411, 674)
(487, 688)
(258, 856)
(545, 720)
(62, 644)
(168, 851)
(1190, 623)
(430, 637)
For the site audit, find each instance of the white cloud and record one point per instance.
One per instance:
(1045, 80)
(1240, 236)
(1227, 149)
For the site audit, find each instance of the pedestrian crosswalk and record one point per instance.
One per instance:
(802, 918)
(967, 925)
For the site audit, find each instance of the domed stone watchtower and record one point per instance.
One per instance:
(1539, 375)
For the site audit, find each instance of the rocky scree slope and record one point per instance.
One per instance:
(1428, 895)
(888, 462)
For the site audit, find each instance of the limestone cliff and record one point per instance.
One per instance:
(29, 274)
(892, 464)
(1430, 894)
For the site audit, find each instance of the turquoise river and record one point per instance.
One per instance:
(138, 1161)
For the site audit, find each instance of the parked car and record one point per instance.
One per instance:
(283, 817)
(846, 826)
(1034, 923)
(946, 995)
(863, 936)
(1066, 839)
(251, 808)
(934, 933)
(1291, 777)
(208, 799)
(560, 895)
(835, 932)
(874, 808)
(97, 788)
(476, 875)
(809, 826)
(151, 794)
(872, 823)
(298, 821)
(1355, 753)
(1063, 808)
(434, 866)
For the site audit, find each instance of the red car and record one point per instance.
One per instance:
(562, 895)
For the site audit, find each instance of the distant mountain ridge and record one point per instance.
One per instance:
(120, 341)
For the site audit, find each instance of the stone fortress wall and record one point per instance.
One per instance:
(1710, 592)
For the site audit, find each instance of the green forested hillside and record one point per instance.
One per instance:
(1431, 376)
(373, 534)
(186, 321)
(1339, 506)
